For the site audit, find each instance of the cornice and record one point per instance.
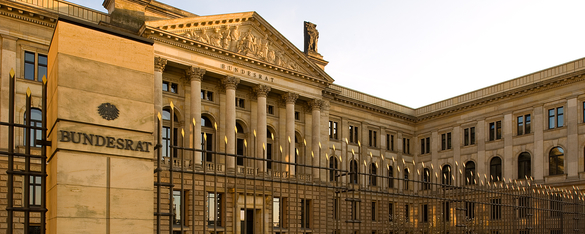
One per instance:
(335, 96)
(562, 80)
(30, 14)
(162, 36)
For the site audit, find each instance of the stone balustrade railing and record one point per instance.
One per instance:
(69, 9)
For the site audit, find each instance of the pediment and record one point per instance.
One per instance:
(245, 34)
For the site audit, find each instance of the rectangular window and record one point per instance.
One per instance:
(333, 130)
(215, 209)
(42, 67)
(34, 229)
(469, 210)
(527, 129)
(422, 146)
(520, 125)
(178, 208)
(270, 109)
(391, 142)
(556, 205)
(279, 212)
(425, 213)
(551, 118)
(29, 65)
(425, 145)
(354, 210)
(387, 141)
(353, 134)
(170, 87)
(495, 130)
(206, 95)
(406, 213)
(560, 117)
(390, 212)
(35, 191)
(372, 138)
(524, 204)
(408, 146)
(446, 211)
(496, 209)
(305, 213)
(466, 136)
(297, 115)
(446, 141)
(373, 211)
(240, 102)
(472, 135)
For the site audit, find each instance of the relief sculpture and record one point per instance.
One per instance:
(246, 43)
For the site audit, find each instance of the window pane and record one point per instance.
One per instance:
(29, 71)
(42, 67)
(165, 86)
(527, 124)
(560, 118)
(551, 118)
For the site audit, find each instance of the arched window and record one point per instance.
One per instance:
(166, 133)
(207, 140)
(446, 175)
(556, 161)
(333, 167)
(406, 182)
(426, 179)
(240, 146)
(36, 120)
(496, 169)
(470, 172)
(373, 174)
(353, 176)
(524, 171)
(390, 177)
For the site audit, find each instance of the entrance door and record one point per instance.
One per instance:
(247, 224)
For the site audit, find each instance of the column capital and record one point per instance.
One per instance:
(159, 64)
(316, 104)
(262, 90)
(290, 97)
(230, 82)
(195, 73)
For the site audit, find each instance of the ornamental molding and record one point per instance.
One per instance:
(29, 14)
(195, 73)
(230, 82)
(159, 64)
(290, 97)
(261, 90)
(244, 38)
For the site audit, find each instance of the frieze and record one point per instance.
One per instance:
(244, 42)
(246, 72)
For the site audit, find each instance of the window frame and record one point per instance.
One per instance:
(37, 65)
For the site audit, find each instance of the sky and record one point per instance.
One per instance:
(417, 52)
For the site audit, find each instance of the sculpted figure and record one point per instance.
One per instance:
(215, 38)
(271, 57)
(202, 37)
(234, 38)
(311, 37)
(248, 43)
(226, 38)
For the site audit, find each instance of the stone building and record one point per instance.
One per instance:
(255, 137)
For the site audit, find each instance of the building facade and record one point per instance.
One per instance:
(245, 133)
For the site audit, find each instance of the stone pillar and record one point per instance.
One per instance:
(8, 62)
(316, 113)
(539, 160)
(261, 93)
(572, 152)
(159, 67)
(290, 99)
(230, 83)
(195, 74)
(509, 160)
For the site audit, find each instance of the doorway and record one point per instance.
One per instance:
(247, 221)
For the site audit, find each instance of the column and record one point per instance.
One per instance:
(290, 99)
(230, 83)
(315, 105)
(261, 93)
(195, 74)
(572, 152)
(7, 62)
(509, 160)
(539, 161)
(159, 67)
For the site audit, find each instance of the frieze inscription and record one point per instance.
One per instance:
(104, 141)
(247, 72)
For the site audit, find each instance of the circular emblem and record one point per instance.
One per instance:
(108, 111)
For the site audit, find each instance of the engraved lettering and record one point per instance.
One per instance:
(139, 146)
(120, 142)
(146, 144)
(110, 142)
(73, 137)
(129, 144)
(97, 140)
(87, 138)
(65, 136)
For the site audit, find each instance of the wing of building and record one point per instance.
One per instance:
(246, 133)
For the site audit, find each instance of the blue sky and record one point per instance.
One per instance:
(419, 52)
